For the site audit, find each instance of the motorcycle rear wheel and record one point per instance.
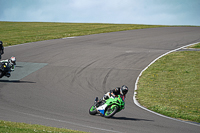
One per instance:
(110, 111)
(92, 110)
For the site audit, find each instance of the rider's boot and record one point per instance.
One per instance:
(8, 75)
(100, 102)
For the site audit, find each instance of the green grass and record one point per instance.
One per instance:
(195, 46)
(13, 127)
(13, 33)
(171, 86)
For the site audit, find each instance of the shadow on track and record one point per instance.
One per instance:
(19, 66)
(130, 119)
(16, 81)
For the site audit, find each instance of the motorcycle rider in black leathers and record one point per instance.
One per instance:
(115, 92)
(1, 49)
(11, 63)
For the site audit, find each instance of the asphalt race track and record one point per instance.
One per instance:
(56, 81)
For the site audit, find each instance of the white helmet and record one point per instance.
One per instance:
(12, 60)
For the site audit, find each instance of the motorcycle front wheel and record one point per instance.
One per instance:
(92, 110)
(1, 74)
(110, 111)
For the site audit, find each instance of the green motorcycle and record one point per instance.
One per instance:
(107, 108)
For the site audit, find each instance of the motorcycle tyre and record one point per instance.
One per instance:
(92, 112)
(113, 113)
(1, 74)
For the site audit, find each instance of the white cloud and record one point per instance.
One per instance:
(178, 12)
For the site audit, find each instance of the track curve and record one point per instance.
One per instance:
(71, 72)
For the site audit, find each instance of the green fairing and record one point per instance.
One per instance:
(112, 106)
(92, 108)
(116, 101)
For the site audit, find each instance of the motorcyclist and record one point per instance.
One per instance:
(114, 93)
(1, 49)
(10, 63)
(117, 91)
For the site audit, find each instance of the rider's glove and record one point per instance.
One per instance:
(105, 97)
(112, 94)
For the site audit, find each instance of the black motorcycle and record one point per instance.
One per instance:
(4, 70)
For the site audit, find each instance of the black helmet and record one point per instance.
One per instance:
(123, 90)
(1, 42)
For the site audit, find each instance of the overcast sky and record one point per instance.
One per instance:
(163, 12)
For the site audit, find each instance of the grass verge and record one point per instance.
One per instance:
(13, 33)
(195, 46)
(171, 86)
(13, 127)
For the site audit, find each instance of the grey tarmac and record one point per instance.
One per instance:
(69, 73)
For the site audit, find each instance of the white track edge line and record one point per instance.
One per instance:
(63, 121)
(37, 41)
(134, 95)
